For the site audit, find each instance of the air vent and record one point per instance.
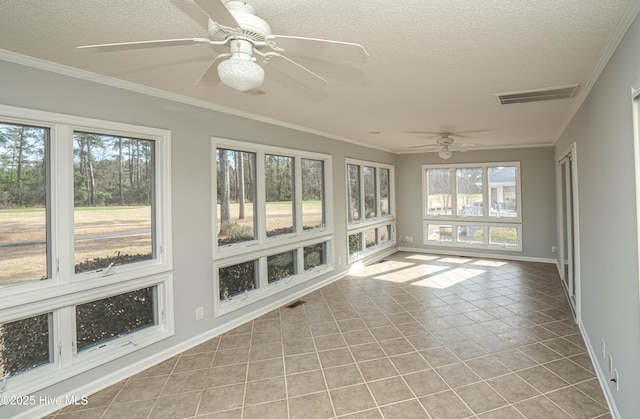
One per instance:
(552, 93)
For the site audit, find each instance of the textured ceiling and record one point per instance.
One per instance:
(433, 65)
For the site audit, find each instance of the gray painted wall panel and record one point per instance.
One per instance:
(603, 132)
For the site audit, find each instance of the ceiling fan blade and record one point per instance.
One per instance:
(296, 71)
(434, 146)
(142, 44)
(218, 12)
(319, 48)
(211, 76)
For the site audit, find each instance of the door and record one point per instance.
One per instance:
(567, 251)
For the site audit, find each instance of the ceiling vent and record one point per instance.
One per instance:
(552, 93)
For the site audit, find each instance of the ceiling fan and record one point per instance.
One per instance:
(444, 143)
(234, 24)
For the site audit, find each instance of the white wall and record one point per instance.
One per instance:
(191, 130)
(603, 132)
(538, 199)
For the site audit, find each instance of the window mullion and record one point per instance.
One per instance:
(261, 197)
(65, 335)
(297, 195)
(454, 193)
(485, 192)
(62, 215)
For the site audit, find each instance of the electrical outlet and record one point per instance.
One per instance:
(410, 239)
(199, 313)
(603, 348)
(554, 249)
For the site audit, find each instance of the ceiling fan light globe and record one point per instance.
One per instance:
(240, 74)
(445, 154)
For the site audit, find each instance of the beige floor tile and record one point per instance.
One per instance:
(445, 405)
(409, 409)
(424, 383)
(480, 397)
(580, 405)
(227, 375)
(377, 369)
(390, 390)
(343, 376)
(351, 399)
(318, 403)
(457, 375)
(409, 362)
(540, 407)
(513, 388)
(176, 406)
(305, 383)
(221, 398)
(300, 363)
(277, 409)
(263, 391)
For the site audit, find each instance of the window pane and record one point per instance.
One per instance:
(355, 245)
(315, 255)
(282, 265)
(470, 234)
(439, 191)
(370, 199)
(384, 192)
(503, 201)
(370, 238)
(503, 235)
(312, 194)
(235, 196)
(236, 279)
(384, 233)
(440, 232)
(113, 200)
(111, 317)
(25, 344)
(353, 180)
(469, 191)
(23, 204)
(279, 194)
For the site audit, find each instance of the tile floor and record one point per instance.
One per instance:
(413, 336)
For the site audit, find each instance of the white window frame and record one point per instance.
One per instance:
(64, 289)
(379, 221)
(262, 246)
(485, 221)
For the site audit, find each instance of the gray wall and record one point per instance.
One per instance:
(603, 132)
(192, 128)
(538, 198)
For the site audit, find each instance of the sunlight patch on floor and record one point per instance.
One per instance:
(410, 274)
(485, 262)
(447, 279)
(423, 257)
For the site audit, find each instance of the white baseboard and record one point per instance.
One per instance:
(603, 378)
(476, 255)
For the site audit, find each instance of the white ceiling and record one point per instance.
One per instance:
(434, 65)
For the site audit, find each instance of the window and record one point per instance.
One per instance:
(85, 244)
(25, 344)
(25, 226)
(235, 196)
(312, 194)
(272, 227)
(102, 320)
(370, 214)
(486, 200)
(113, 200)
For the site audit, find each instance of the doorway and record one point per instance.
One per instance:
(569, 227)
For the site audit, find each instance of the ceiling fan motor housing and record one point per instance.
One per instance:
(254, 28)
